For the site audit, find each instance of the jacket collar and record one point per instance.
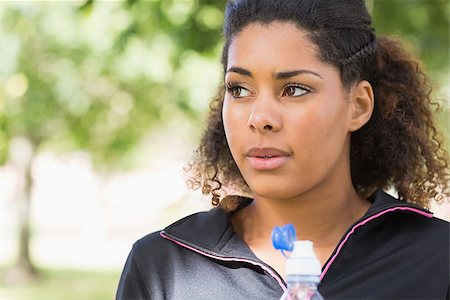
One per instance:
(382, 201)
(213, 233)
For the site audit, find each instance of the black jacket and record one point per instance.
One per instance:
(396, 251)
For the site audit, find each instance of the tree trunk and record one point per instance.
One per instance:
(24, 261)
(22, 156)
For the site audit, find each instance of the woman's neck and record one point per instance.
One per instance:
(319, 217)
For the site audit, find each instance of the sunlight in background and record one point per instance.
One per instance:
(107, 100)
(84, 219)
(133, 99)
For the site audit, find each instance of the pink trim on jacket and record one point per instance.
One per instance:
(277, 278)
(365, 221)
(330, 262)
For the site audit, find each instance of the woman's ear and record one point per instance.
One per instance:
(362, 105)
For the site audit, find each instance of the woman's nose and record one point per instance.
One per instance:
(264, 117)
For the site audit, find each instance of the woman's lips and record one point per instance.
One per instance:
(267, 158)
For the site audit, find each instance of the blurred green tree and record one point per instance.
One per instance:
(423, 24)
(97, 76)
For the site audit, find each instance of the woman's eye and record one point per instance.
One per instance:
(238, 91)
(295, 90)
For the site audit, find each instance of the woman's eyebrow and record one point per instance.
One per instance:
(289, 74)
(241, 71)
(279, 75)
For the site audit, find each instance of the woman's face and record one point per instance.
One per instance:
(285, 113)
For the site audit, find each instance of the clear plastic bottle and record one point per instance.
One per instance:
(303, 273)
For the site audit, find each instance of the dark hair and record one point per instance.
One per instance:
(399, 147)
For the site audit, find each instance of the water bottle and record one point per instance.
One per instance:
(302, 266)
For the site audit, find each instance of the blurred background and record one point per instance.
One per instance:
(101, 105)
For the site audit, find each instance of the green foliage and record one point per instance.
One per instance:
(425, 24)
(3, 140)
(98, 76)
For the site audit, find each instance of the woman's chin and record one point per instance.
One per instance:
(274, 192)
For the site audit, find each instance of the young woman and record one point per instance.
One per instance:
(317, 116)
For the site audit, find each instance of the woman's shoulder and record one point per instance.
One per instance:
(436, 231)
(158, 255)
(406, 224)
(197, 228)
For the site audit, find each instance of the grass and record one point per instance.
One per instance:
(55, 284)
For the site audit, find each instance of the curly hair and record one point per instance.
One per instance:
(398, 148)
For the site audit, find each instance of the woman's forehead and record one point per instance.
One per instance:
(278, 45)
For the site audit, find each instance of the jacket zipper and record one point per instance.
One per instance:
(269, 270)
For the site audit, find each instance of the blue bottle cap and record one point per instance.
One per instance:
(283, 237)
